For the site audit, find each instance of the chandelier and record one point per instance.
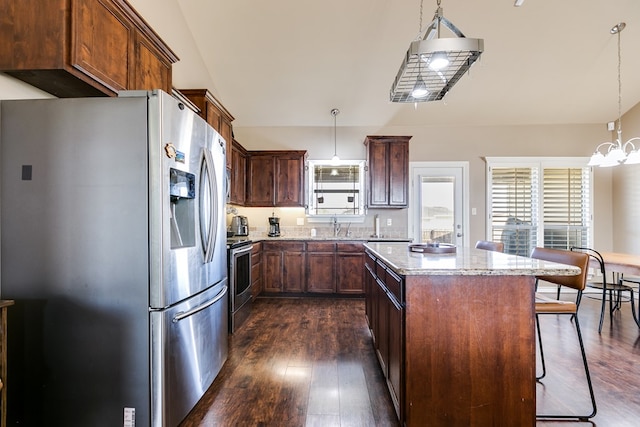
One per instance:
(616, 152)
(433, 64)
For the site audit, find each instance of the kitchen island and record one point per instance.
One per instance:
(454, 333)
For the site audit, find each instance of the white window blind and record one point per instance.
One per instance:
(538, 204)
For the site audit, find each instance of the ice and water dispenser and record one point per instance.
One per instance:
(182, 189)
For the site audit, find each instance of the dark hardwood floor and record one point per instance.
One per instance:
(310, 362)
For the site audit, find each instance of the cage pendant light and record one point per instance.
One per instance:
(617, 152)
(434, 62)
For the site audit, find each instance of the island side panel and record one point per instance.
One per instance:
(470, 351)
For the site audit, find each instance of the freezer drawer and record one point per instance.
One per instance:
(189, 347)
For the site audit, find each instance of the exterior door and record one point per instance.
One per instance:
(438, 200)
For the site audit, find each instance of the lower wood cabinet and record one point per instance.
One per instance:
(384, 308)
(321, 267)
(283, 266)
(256, 270)
(324, 267)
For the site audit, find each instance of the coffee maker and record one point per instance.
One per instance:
(240, 225)
(274, 226)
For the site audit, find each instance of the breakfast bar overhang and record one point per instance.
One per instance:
(455, 333)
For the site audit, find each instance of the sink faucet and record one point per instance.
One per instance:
(336, 226)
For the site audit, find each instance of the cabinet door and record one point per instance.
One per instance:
(350, 272)
(293, 271)
(238, 176)
(260, 180)
(398, 173)
(378, 174)
(289, 181)
(150, 70)
(101, 43)
(382, 327)
(394, 365)
(272, 268)
(369, 283)
(321, 272)
(226, 131)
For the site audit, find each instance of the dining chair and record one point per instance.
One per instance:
(552, 306)
(612, 290)
(636, 282)
(490, 246)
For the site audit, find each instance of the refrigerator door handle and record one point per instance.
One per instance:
(208, 210)
(184, 314)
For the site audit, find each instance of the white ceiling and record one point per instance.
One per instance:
(289, 62)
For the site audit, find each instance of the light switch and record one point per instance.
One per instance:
(300, 221)
(389, 222)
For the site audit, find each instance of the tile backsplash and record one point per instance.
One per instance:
(293, 223)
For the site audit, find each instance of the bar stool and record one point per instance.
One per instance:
(490, 246)
(545, 306)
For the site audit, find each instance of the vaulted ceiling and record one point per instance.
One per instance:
(289, 62)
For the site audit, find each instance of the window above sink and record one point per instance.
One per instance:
(335, 189)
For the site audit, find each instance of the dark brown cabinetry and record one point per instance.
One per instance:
(275, 178)
(283, 266)
(384, 307)
(321, 267)
(238, 174)
(75, 48)
(388, 178)
(256, 270)
(350, 268)
(326, 267)
(215, 114)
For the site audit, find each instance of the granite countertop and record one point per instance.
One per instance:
(465, 262)
(329, 238)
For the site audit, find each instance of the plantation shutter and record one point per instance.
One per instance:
(566, 208)
(514, 208)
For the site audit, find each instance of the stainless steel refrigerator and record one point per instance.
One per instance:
(114, 249)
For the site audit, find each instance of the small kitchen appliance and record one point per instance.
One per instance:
(240, 225)
(274, 226)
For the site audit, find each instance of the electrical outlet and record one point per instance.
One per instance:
(389, 222)
(300, 221)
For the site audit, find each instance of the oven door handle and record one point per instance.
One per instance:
(241, 250)
(184, 314)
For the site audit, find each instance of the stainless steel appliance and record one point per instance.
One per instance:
(239, 281)
(114, 249)
(274, 226)
(240, 225)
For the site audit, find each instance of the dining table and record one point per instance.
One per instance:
(620, 264)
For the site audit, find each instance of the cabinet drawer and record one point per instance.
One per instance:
(394, 285)
(381, 270)
(255, 272)
(370, 261)
(283, 246)
(321, 246)
(349, 247)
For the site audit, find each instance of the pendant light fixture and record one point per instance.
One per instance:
(446, 60)
(616, 152)
(335, 158)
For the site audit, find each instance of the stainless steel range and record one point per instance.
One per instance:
(239, 259)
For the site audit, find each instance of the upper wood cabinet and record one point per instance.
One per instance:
(275, 178)
(75, 48)
(215, 114)
(238, 174)
(388, 178)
